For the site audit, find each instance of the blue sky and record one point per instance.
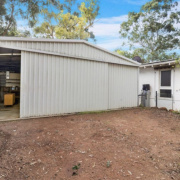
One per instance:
(107, 25)
(112, 14)
(106, 28)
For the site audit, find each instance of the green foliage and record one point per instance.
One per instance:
(12, 10)
(93, 112)
(124, 53)
(46, 29)
(178, 62)
(76, 167)
(61, 19)
(176, 112)
(154, 29)
(137, 52)
(2, 8)
(143, 54)
(69, 22)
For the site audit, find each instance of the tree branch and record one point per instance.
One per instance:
(10, 21)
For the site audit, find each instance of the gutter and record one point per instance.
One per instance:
(158, 64)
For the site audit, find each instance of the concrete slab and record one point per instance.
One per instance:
(9, 113)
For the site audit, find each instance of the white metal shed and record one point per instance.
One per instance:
(67, 76)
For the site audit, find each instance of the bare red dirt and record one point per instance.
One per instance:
(126, 144)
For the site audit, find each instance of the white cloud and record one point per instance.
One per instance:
(137, 2)
(112, 44)
(112, 20)
(134, 2)
(108, 26)
(115, 43)
(106, 31)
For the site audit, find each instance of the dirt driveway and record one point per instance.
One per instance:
(126, 144)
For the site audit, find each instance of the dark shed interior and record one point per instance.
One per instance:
(10, 67)
(10, 60)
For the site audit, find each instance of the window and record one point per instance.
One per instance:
(165, 78)
(165, 84)
(165, 93)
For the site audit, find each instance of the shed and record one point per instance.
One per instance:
(67, 76)
(163, 78)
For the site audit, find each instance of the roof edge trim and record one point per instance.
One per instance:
(157, 63)
(67, 41)
(65, 55)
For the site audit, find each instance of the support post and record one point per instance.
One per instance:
(156, 100)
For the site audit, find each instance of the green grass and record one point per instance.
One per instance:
(176, 112)
(92, 112)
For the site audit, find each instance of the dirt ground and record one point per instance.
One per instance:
(126, 144)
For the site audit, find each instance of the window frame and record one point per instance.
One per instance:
(170, 78)
(165, 87)
(166, 96)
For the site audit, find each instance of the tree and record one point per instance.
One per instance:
(69, 22)
(154, 30)
(11, 10)
(142, 54)
(124, 53)
(2, 8)
(27, 10)
(46, 29)
(137, 52)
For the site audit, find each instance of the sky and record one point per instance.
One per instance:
(107, 24)
(112, 14)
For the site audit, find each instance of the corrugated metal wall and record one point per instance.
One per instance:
(123, 88)
(52, 85)
(67, 48)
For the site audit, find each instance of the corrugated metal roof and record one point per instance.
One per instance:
(68, 56)
(133, 63)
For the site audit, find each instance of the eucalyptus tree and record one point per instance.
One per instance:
(13, 10)
(69, 20)
(155, 30)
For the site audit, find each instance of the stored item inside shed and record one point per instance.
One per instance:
(10, 63)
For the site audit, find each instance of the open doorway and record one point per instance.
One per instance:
(10, 66)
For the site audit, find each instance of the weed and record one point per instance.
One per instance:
(108, 164)
(176, 112)
(141, 106)
(75, 169)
